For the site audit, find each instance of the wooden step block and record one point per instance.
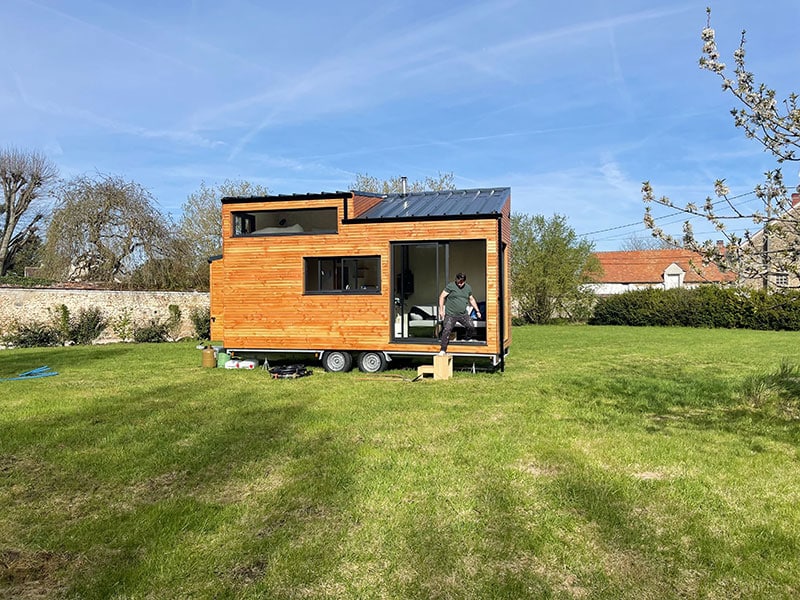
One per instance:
(425, 370)
(442, 367)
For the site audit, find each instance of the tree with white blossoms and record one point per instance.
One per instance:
(773, 247)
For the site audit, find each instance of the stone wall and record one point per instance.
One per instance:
(40, 304)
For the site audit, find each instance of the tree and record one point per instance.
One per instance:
(394, 185)
(549, 269)
(28, 253)
(772, 248)
(102, 229)
(171, 268)
(636, 242)
(25, 176)
(200, 226)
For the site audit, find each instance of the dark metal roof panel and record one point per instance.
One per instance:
(445, 203)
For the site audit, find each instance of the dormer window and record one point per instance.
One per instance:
(673, 277)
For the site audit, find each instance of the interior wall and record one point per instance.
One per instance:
(469, 257)
(464, 256)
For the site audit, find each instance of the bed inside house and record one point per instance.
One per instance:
(423, 322)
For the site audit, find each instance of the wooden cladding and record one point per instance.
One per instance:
(259, 300)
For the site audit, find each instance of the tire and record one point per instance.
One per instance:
(336, 361)
(371, 362)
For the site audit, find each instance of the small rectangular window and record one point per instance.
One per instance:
(343, 275)
(782, 280)
(285, 222)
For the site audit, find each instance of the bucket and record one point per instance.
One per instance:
(222, 358)
(209, 357)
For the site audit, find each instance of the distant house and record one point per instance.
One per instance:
(665, 269)
(783, 270)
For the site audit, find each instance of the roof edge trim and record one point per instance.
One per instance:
(288, 197)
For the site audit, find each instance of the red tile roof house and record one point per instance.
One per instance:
(666, 269)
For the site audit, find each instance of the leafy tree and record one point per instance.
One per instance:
(394, 185)
(200, 227)
(102, 229)
(771, 248)
(550, 266)
(26, 254)
(25, 176)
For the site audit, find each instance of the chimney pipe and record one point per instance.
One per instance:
(404, 185)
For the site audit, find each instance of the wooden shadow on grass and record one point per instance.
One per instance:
(146, 485)
(643, 545)
(678, 397)
(478, 552)
(588, 533)
(16, 361)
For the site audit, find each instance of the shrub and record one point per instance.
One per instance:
(24, 282)
(32, 335)
(88, 326)
(62, 322)
(122, 325)
(83, 329)
(774, 311)
(706, 306)
(776, 393)
(153, 332)
(173, 323)
(201, 323)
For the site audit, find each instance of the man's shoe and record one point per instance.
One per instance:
(442, 352)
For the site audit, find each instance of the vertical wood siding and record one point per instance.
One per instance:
(257, 298)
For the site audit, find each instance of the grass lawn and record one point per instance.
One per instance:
(603, 463)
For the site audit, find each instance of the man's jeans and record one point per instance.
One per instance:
(450, 322)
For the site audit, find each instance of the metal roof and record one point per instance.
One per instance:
(445, 203)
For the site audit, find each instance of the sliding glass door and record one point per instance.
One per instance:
(420, 270)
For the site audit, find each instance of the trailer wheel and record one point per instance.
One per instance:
(336, 361)
(371, 362)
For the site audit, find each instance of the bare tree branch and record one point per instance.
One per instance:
(25, 176)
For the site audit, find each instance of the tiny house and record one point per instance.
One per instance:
(354, 278)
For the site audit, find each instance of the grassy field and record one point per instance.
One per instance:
(604, 463)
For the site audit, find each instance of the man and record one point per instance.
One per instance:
(453, 302)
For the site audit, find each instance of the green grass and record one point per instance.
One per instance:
(604, 463)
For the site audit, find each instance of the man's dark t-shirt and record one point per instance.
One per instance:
(457, 299)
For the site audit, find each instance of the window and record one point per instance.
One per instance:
(782, 279)
(419, 272)
(343, 275)
(285, 222)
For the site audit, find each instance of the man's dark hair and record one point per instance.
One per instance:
(461, 277)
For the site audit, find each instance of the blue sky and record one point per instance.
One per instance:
(572, 104)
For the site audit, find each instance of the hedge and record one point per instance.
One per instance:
(706, 306)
